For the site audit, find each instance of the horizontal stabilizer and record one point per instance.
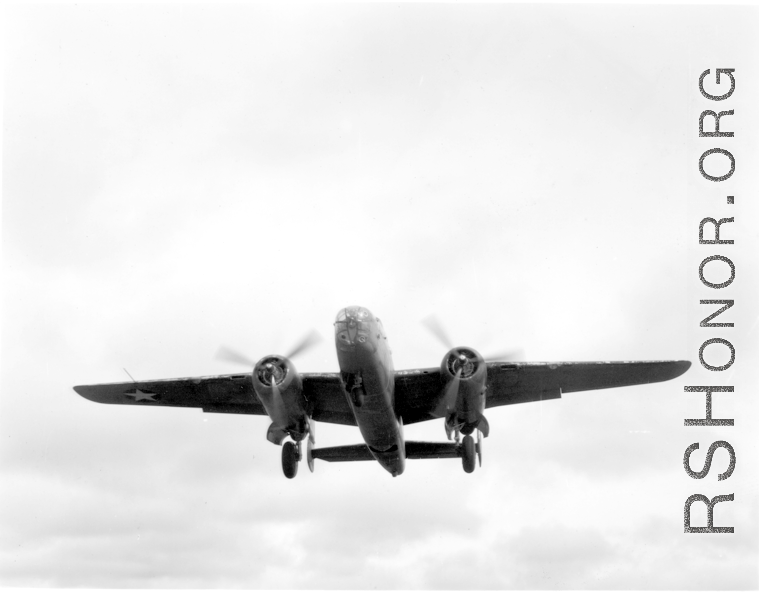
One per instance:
(414, 450)
(343, 453)
(433, 450)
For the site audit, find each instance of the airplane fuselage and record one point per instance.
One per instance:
(366, 371)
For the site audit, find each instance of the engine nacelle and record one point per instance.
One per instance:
(464, 370)
(280, 389)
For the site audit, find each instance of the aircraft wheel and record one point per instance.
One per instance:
(468, 457)
(290, 458)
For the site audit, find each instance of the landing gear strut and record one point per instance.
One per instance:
(354, 385)
(290, 458)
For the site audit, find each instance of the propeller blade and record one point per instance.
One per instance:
(274, 388)
(310, 455)
(451, 392)
(435, 327)
(306, 343)
(230, 355)
(479, 447)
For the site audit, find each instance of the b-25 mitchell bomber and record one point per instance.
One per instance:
(370, 394)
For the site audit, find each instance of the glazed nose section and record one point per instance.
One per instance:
(351, 326)
(347, 336)
(357, 314)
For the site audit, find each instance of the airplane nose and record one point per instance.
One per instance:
(358, 314)
(350, 335)
(351, 326)
(347, 335)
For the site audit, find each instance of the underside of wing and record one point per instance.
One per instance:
(524, 382)
(418, 393)
(232, 393)
(326, 398)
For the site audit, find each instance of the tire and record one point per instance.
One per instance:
(468, 454)
(290, 460)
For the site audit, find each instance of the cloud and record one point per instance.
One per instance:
(184, 177)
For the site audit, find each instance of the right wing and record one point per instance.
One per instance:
(537, 381)
(418, 393)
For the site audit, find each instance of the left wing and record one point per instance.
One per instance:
(418, 392)
(229, 393)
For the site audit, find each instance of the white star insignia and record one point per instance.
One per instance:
(141, 395)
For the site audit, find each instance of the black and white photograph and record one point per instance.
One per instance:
(396, 296)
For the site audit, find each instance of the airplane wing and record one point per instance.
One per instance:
(229, 393)
(522, 383)
(418, 392)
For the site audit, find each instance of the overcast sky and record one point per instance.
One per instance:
(185, 177)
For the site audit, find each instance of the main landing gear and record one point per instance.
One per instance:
(291, 455)
(471, 451)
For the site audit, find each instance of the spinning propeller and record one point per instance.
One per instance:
(462, 405)
(434, 326)
(479, 447)
(451, 392)
(280, 390)
(306, 343)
